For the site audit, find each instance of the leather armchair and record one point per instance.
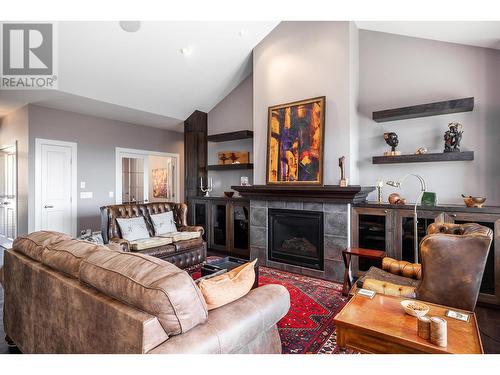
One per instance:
(453, 260)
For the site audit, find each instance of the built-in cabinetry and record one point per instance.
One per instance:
(226, 223)
(390, 228)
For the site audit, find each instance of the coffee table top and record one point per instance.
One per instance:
(384, 317)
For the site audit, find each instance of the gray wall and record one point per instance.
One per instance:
(97, 139)
(301, 60)
(14, 127)
(399, 71)
(233, 113)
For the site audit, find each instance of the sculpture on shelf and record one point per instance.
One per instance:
(391, 139)
(452, 137)
(343, 180)
(421, 151)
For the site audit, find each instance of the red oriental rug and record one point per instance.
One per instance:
(308, 327)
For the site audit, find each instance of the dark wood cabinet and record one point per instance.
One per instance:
(390, 228)
(226, 223)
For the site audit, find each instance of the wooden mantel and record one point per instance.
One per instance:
(326, 193)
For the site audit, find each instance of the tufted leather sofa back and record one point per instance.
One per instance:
(460, 229)
(453, 257)
(109, 214)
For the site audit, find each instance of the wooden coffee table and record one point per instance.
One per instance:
(381, 326)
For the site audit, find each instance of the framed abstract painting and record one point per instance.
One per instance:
(160, 183)
(295, 143)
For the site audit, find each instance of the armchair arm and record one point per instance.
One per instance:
(125, 245)
(402, 268)
(191, 228)
(389, 289)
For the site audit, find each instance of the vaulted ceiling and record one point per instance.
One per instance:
(159, 74)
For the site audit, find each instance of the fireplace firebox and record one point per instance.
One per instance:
(296, 237)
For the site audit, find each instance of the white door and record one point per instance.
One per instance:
(8, 196)
(56, 179)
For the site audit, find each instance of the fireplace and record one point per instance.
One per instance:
(296, 237)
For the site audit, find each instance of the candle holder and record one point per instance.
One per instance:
(209, 187)
(380, 185)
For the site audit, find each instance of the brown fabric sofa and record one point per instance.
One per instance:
(181, 253)
(453, 259)
(69, 296)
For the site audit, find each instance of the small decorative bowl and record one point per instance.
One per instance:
(414, 308)
(474, 201)
(228, 194)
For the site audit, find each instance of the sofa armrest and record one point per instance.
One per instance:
(192, 228)
(402, 268)
(232, 327)
(125, 245)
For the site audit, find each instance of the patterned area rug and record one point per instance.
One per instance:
(308, 327)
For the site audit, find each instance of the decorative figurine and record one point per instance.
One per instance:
(391, 139)
(343, 180)
(380, 185)
(395, 198)
(421, 151)
(452, 137)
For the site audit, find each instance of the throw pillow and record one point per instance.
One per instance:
(228, 287)
(133, 228)
(164, 223)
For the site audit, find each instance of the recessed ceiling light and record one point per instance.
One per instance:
(186, 51)
(130, 26)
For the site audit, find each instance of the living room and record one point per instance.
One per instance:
(290, 186)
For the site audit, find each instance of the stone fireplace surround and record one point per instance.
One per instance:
(335, 203)
(336, 236)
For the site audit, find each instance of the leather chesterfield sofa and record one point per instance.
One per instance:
(453, 258)
(183, 254)
(70, 296)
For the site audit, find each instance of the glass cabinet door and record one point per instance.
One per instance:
(405, 231)
(240, 229)
(219, 226)
(371, 230)
(490, 285)
(200, 216)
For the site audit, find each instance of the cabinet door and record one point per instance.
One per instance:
(200, 216)
(371, 229)
(240, 229)
(404, 234)
(490, 286)
(219, 227)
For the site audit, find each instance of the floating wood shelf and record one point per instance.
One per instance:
(231, 136)
(226, 167)
(444, 156)
(424, 110)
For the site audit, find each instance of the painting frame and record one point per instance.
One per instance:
(277, 181)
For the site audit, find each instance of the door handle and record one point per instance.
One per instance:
(5, 203)
(48, 206)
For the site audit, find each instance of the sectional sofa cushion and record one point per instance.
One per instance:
(163, 223)
(228, 287)
(148, 243)
(33, 244)
(66, 256)
(133, 228)
(148, 284)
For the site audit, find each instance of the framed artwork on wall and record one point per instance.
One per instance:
(160, 183)
(295, 142)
